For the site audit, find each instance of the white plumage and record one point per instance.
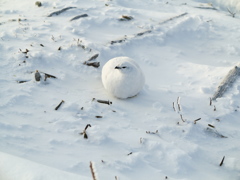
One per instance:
(122, 77)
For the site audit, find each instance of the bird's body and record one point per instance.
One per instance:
(122, 77)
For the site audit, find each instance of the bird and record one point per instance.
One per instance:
(37, 76)
(122, 77)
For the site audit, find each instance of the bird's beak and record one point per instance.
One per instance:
(117, 67)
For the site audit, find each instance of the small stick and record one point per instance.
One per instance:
(59, 105)
(214, 108)
(84, 133)
(178, 103)
(148, 132)
(210, 101)
(94, 64)
(130, 153)
(98, 116)
(22, 81)
(93, 57)
(179, 107)
(92, 171)
(218, 120)
(178, 100)
(182, 118)
(222, 161)
(174, 107)
(104, 102)
(195, 121)
(50, 76)
(211, 126)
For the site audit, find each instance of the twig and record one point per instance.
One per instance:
(178, 103)
(148, 132)
(103, 101)
(84, 133)
(231, 12)
(195, 121)
(125, 18)
(214, 109)
(174, 107)
(129, 153)
(60, 11)
(93, 57)
(210, 102)
(222, 161)
(211, 126)
(92, 171)
(182, 118)
(79, 16)
(59, 105)
(23, 81)
(98, 116)
(94, 64)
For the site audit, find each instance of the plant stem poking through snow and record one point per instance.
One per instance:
(210, 102)
(129, 153)
(56, 108)
(211, 126)
(93, 171)
(222, 161)
(93, 64)
(148, 132)
(103, 101)
(195, 121)
(231, 12)
(214, 109)
(84, 133)
(182, 118)
(60, 11)
(174, 106)
(178, 103)
(93, 57)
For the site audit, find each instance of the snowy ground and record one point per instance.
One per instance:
(138, 138)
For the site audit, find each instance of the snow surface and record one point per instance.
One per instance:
(184, 55)
(122, 77)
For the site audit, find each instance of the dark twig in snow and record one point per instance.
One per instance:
(93, 171)
(79, 16)
(93, 57)
(60, 11)
(211, 126)
(222, 161)
(195, 121)
(103, 101)
(94, 64)
(174, 107)
(231, 12)
(182, 118)
(84, 133)
(58, 106)
(210, 102)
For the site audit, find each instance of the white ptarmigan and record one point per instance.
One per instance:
(122, 77)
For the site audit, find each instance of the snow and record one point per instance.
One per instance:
(186, 53)
(122, 77)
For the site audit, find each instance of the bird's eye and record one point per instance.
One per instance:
(124, 67)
